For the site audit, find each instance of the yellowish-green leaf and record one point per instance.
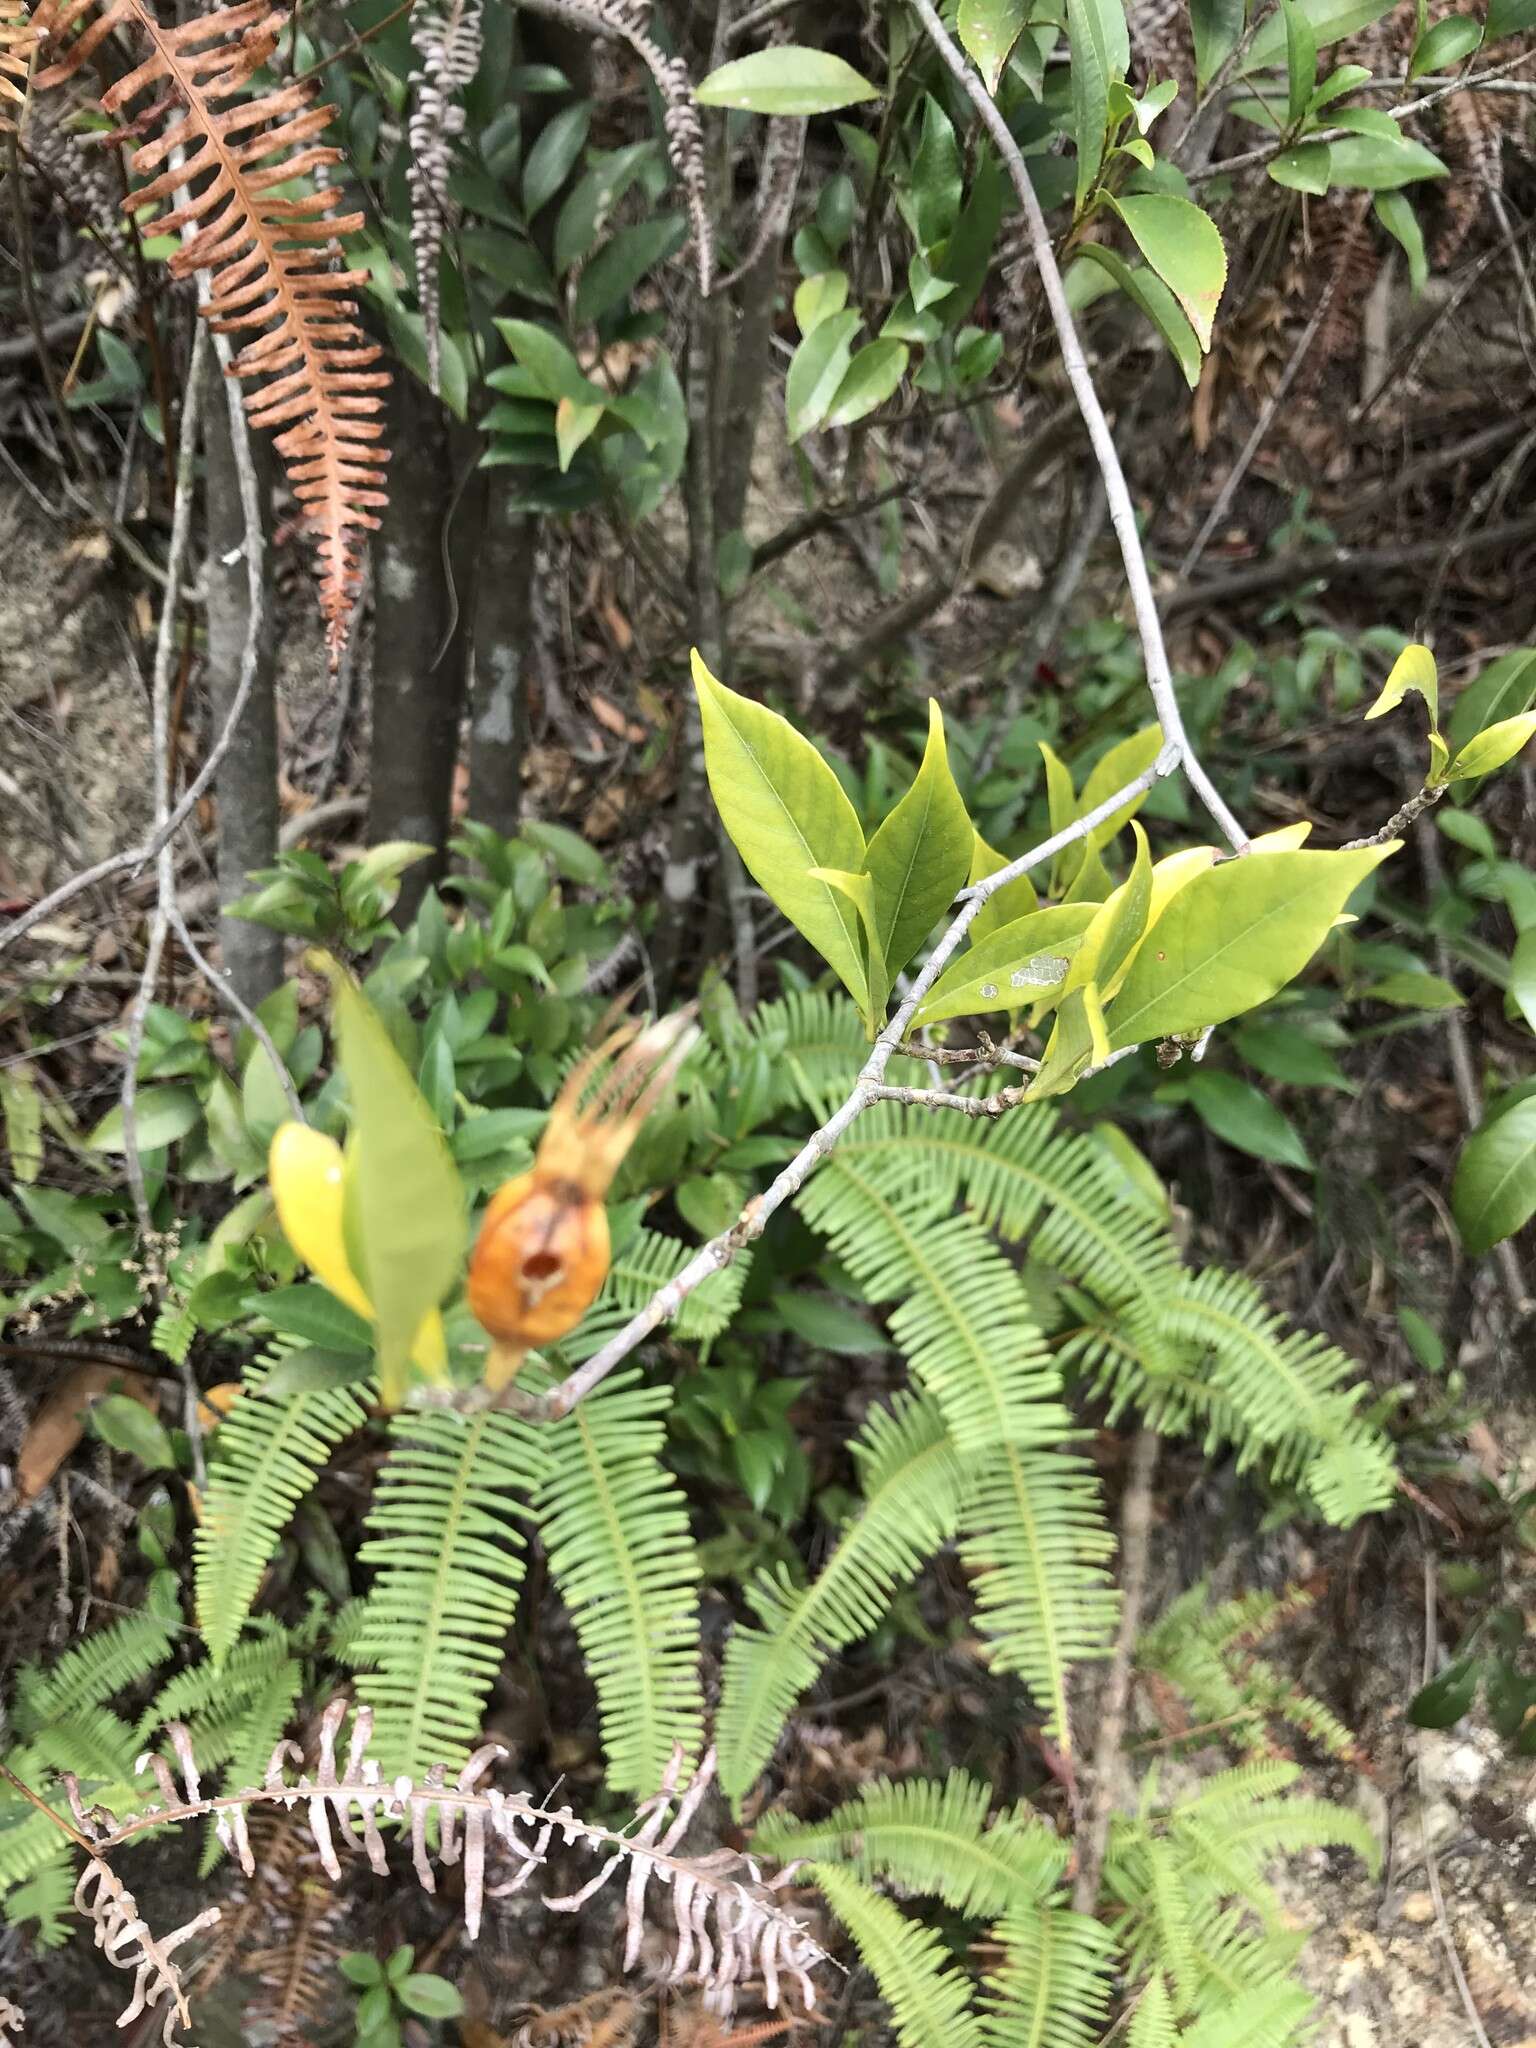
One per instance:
(816, 369)
(1127, 759)
(1494, 746)
(1118, 924)
(1146, 289)
(1502, 689)
(161, 1116)
(1009, 967)
(574, 426)
(405, 1201)
(1078, 1041)
(818, 298)
(786, 813)
(1092, 881)
(920, 856)
(1232, 937)
(790, 79)
(1184, 247)
(1172, 872)
(1014, 899)
(1414, 669)
(860, 891)
(870, 379)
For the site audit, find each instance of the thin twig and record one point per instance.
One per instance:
(1122, 512)
(1135, 1542)
(229, 994)
(160, 699)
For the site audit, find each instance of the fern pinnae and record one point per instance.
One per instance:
(446, 1539)
(1033, 1531)
(267, 1454)
(1153, 2024)
(648, 1262)
(964, 1320)
(929, 1998)
(615, 1524)
(1053, 1988)
(1265, 2016)
(933, 1838)
(912, 1486)
(95, 1670)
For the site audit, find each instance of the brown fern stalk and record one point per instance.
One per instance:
(223, 148)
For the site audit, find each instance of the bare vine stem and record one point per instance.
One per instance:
(1122, 512)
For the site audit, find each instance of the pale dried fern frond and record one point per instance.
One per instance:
(127, 1943)
(729, 1928)
(231, 150)
(447, 48)
(12, 2020)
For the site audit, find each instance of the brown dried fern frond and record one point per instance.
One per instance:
(18, 45)
(222, 152)
(729, 1927)
(282, 1929)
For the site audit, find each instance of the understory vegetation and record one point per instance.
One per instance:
(769, 1154)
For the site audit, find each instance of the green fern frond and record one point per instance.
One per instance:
(1033, 1532)
(48, 1897)
(1267, 1828)
(912, 1486)
(929, 2001)
(447, 1543)
(346, 1632)
(932, 1838)
(650, 1260)
(174, 1328)
(1236, 1790)
(1169, 1905)
(814, 1044)
(1290, 1391)
(964, 1319)
(266, 1457)
(95, 1671)
(91, 1741)
(1272, 2016)
(1053, 1988)
(247, 1739)
(1152, 2022)
(615, 1524)
(245, 1671)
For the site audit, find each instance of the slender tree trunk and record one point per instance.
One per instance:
(418, 680)
(246, 785)
(503, 634)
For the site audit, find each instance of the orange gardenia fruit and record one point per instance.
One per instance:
(543, 1250)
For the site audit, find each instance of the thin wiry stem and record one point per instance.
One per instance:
(1122, 512)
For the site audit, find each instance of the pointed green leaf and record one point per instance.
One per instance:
(1397, 216)
(549, 362)
(868, 382)
(1308, 168)
(1117, 927)
(1242, 1116)
(860, 891)
(1100, 54)
(161, 1116)
(1233, 936)
(1378, 163)
(816, 369)
(1183, 246)
(1125, 760)
(1493, 746)
(788, 80)
(1217, 26)
(988, 31)
(574, 427)
(1010, 967)
(786, 813)
(920, 856)
(1501, 690)
(1494, 1192)
(1443, 45)
(1300, 59)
